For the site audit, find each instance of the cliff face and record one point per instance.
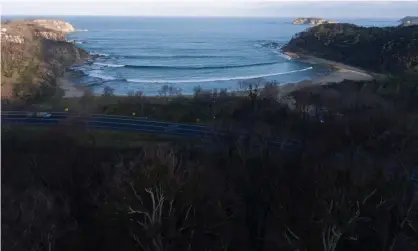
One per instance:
(34, 53)
(312, 21)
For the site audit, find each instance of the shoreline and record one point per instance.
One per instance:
(338, 73)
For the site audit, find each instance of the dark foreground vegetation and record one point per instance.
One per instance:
(348, 187)
(389, 49)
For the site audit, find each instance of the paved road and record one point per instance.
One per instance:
(125, 123)
(132, 124)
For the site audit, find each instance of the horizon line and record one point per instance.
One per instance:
(168, 16)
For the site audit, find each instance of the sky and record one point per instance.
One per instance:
(241, 8)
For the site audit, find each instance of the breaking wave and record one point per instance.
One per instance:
(167, 67)
(162, 81)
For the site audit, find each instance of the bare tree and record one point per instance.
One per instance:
(108, 91)
(270, 91)
(223, 93)
(164, 91)
(169, 90)
(86, 99)
(173, 91)
(215, 94)
(197, 91)
(131, 93)
(251, 83)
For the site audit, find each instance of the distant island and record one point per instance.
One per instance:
(34, 54)
(388, 49)
(312, 21)
(409, 20)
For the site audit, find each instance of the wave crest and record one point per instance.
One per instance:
(168, 67)
(174, 56)
(98, 74)
(162, 81)
(97, 54)
(109, 65)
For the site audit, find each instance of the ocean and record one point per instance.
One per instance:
(146, 53)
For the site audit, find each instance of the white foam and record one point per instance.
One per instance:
(283, 55)
(81, 30)
(99, 54)
(110, 65)
(171, 81)
(98, 74)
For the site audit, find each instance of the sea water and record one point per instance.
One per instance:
(146, 53)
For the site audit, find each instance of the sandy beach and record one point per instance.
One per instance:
(339, 73)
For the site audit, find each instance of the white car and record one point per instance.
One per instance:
(39, 114)
(43, 114)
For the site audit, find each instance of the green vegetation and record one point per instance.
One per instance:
(389, 49)
(347, 188)
(409, 20)
(30, 67)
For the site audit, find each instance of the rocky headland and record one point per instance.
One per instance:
(312, 21)
(34, 54)
(381, 50)
(409, 20)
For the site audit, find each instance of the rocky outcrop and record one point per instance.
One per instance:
(18, 31)
(382, 50)
(56, 36)
(5, 37)
(408, 21)
(55, 25)
(408, 18)
(312, 21)
(34, 53)
(13, 39)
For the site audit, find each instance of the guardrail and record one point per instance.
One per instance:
(127, 123)
(138, 124)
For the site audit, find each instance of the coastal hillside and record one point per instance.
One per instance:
(388, 49)
(312, 21)
(409, 20)
(34, 53)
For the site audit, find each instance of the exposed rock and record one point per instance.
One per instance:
(13, 39)
(34, 53)
(51, 35)
(312, 21)
(407, 21)
(408, 18)
(55, 25)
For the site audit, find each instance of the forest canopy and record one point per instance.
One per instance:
(388, 49)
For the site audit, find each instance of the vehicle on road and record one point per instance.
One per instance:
(171, 128)
(38, 114)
